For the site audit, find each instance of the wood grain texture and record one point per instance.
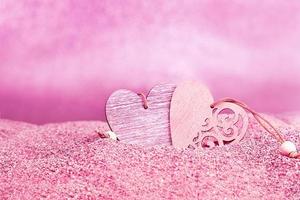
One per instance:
(189, 109)
(195, 124)
(136, 125)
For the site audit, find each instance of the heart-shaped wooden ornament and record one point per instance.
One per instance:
(135, 124)
(195, 124)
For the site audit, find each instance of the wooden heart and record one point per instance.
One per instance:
(135, 124)
(195, 124)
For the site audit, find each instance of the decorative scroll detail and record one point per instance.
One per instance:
(228, 125)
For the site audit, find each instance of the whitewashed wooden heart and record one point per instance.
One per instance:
(195, 124)
(134, 124)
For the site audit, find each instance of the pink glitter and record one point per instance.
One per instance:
(69, 160)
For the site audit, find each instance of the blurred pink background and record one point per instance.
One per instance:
(60, 60)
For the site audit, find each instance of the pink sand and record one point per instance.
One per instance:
(69, 160)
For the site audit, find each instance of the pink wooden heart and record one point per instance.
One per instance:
(195, 124)
(134, 124)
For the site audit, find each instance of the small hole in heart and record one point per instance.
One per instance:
(227, 111)
(209, 142)
(146, 107)
(227, 142)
